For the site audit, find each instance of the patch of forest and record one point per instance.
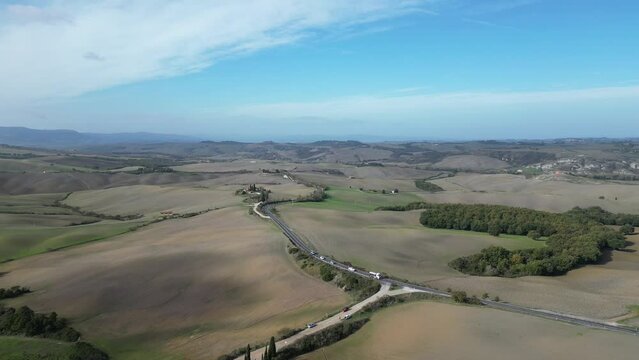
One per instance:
(574, 238)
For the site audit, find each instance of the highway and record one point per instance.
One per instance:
(545, 314)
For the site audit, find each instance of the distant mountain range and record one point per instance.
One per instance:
(64, 139)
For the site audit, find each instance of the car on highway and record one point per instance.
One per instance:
(313, 253)
(311, 325)
(351, 269)
(346, 317)
(322, 258)
(345, 309)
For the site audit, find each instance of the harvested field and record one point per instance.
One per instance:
(347, 199)
(439, 331)
(150, 200)
(471, 162)
(236, 165)
(188, 288)
(63, 182)
(550, 194)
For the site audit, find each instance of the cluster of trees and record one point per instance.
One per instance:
(153, 169)
(26, 322)
(13, 292)
(428, 186)
(571, 239)
(360, 288)
(318, 194)
(262, 192)
(463, 298)
(270, 352)
(600, 215)
(327, 273)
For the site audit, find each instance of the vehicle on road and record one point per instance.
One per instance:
(351, 269)
(346, 317)
(313, 253)
(375, 275)
(322, 258)
(311, 325)
(345, 309)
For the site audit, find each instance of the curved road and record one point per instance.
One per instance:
(546, 314)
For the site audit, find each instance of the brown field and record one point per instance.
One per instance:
(62, 182)
(151, 200)
(235, 165)
(189, 288)
(471, 162)
(543, 193)
(439, 331)
(395, 242)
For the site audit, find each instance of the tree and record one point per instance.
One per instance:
(627, 229)
(534, 234)
(247, 355)
(327, 273)
(272, 350)
(494, 229)
(460, 296)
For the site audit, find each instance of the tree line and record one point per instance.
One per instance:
(600, 215)
(428, 186)
(13, 292)
(25, 322)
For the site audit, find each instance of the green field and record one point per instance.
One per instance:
(19, 242)
(21, 348)
(347, 199)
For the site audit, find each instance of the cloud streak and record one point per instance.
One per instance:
(423, 105)
(47, 47)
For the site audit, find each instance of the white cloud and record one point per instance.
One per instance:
(420, 106)
(69, 47)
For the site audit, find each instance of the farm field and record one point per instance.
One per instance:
(177, 289)
(18, 241)
(548, 193)
(347, 199)
(150, 200)
(391, 242)
(439, 331)
(395, 242)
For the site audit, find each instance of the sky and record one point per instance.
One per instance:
(317, 69)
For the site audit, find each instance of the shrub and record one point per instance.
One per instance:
(85, 351)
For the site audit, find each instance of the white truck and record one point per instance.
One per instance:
(351, 269)
(375, 275)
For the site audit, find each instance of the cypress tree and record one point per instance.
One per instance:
(247, 355)
(272, 351)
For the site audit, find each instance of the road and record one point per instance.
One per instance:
(335, 319)
(267, 211)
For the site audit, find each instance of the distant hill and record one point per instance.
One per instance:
(58, 139)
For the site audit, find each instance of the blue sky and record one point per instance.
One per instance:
(285, 69)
